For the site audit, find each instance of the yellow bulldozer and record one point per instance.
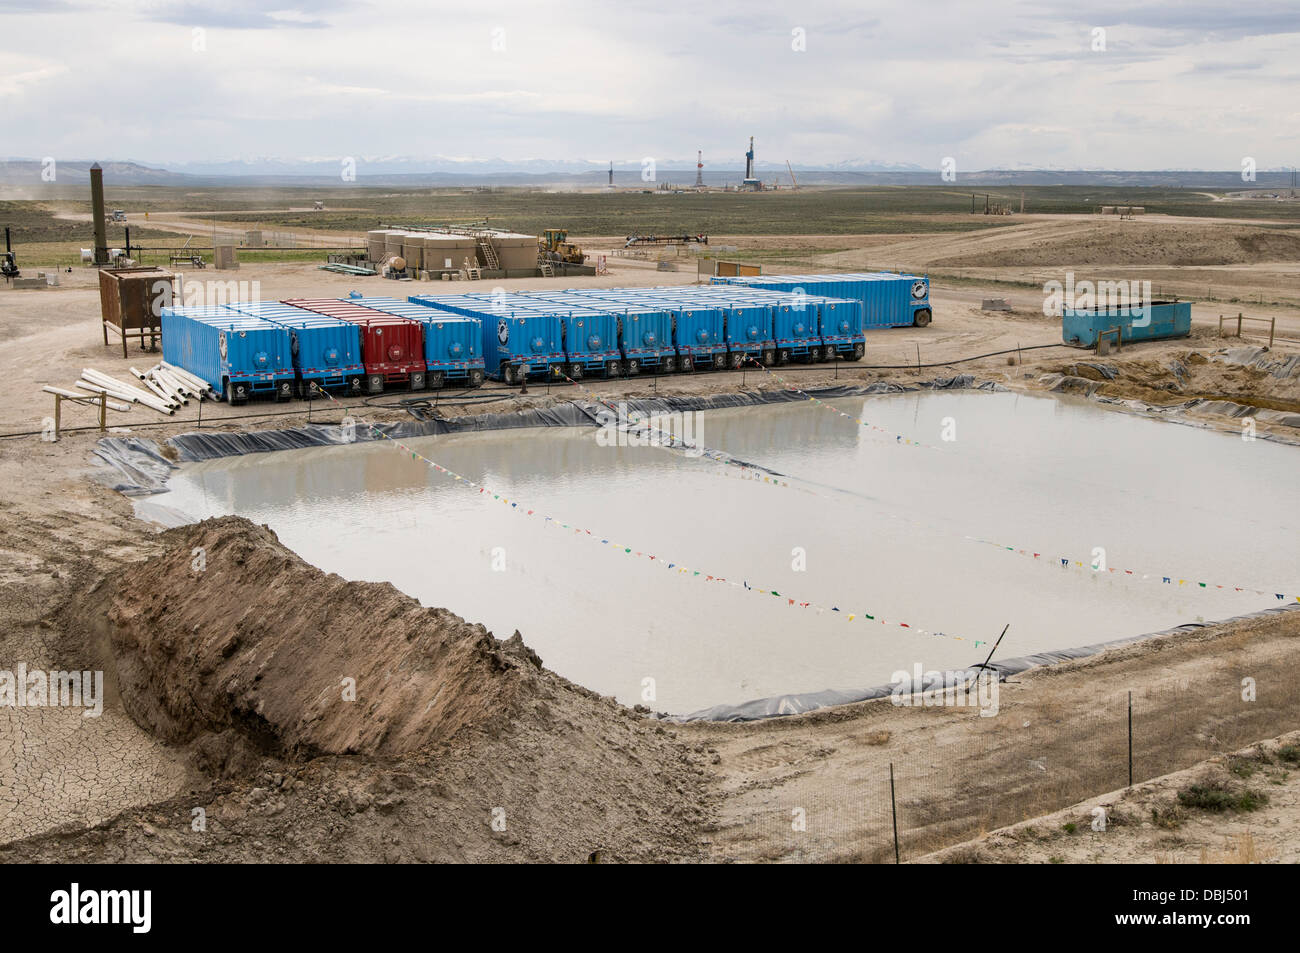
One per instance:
(554, 245)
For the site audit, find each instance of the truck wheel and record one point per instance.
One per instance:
(236, 394)
(575, 371)
(354, 385)
(737, 360)
(436, 379)
(921, 318)
(668, 365)
(769, 358)
(688, 364)
(783, 356)
(719, 360)
(611, 368)
(633, 367)
(284, 391)
(475, 378)
(417, 380)
(858, 351)
(814, 355)
(375, 383)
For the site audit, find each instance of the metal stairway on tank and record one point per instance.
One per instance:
(489, 254)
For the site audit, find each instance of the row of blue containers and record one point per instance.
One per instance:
(889, 300)
(262, 348)
(274, 347)
(627, 330)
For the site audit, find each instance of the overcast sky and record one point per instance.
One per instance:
(991, 83)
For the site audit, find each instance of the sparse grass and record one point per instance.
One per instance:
(1238, 849)
(1070, 827)
(1290, 754)
(1214, 794)
(1167, 816)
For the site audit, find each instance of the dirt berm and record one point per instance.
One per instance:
(325, 719)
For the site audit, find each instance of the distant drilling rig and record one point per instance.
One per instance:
(750, 182)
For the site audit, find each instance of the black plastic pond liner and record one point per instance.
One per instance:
(779, 705)
(130, 456)
(136, 465)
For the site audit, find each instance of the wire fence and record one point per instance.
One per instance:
(1030, 759)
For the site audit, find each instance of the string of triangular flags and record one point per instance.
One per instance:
(1066, 562)
(790, 385)
(717, 456)
(683, 571)
(1062, 560)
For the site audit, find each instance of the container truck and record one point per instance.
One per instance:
(237, 355)
(326, 352)
(889, 300)
(392, 347)
(518, 341)
(452, 342)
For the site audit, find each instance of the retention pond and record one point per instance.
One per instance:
(1072, 523)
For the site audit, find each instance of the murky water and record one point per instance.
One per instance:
(867, 526)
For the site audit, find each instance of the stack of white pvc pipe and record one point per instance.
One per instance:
(195, 386)
(99, 383)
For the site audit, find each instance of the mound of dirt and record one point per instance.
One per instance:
(456, 746)
(228, 629)
(1112, 242)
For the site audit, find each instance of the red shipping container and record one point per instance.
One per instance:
(392, 348)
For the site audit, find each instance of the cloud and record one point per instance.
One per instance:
(990, 83)
(237, 15)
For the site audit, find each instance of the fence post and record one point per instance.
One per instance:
(893, 806)
(1130, 739)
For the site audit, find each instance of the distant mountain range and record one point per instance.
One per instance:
(404, 172)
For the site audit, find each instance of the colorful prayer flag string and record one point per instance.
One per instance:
(686, 571)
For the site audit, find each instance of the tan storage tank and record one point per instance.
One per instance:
(516, 252)
(375, 243)
(444, 252)
(413, 249)
(392, 245)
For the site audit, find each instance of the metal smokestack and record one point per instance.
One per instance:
(97, 214)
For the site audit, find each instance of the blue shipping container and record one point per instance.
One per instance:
(517, 341)
(452, 342)
(325, 351)
(1159, 319)
(888, 300)
(237, 355)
